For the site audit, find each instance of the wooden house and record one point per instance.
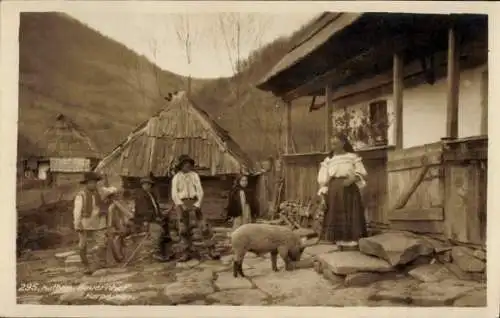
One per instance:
(66, 152)
(419, 83)
(180, 128)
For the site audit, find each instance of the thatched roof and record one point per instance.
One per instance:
(26, 148)
(64, 139)
(180, 128)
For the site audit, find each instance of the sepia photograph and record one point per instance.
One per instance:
(303, 159)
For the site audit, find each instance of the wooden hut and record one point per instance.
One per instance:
(66, 152)
(425, 77)
(180, 128)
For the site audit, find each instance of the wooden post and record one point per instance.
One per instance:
(397, 92)
(328, 116)
(288, 136)
(453, 86)
(484, 103)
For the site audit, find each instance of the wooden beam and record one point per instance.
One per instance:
(398, 86)
(352, 67)
(453, 85)
(484, 102)
(414, 214)
(288, 136)
(328, 116)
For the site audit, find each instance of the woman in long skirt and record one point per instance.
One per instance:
(341, 177)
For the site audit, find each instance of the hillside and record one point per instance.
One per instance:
(66, 67)
(107, 89)
(256, 119)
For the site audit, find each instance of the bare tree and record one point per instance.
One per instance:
(186, 36)
(239, 31)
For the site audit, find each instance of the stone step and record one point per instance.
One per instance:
(349, 262)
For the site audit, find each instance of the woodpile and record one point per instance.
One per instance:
(302, 215)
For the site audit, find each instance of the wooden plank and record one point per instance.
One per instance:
(434, 227)
(288, 136)
(453, 85)
(416, 151)
(328, 116)
(398, 87)
(412, 214)
(401, 202)
(473, 228)
(414, 162)
(456, 187)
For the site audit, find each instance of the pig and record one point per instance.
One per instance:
(265, 238)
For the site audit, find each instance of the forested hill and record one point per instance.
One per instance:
(107, 89)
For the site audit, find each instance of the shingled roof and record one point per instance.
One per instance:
(180, 128)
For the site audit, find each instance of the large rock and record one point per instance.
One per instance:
(476, 298)
(226, 280)
(240, 297)
(205, 275)
(396, 248)
(441, 293)
(465, 259)
(343, 263)
(480, 254)
(431, 273)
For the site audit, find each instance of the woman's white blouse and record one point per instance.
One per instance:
(338, 166)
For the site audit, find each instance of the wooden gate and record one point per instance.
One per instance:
(416, 189)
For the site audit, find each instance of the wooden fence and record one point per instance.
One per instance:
(437, 188)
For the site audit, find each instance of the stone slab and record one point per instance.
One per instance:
(395, 248)
(320, 249)
(294, 283)
(226, 281)
(343, 263)
(476, 298)
(431, 273)
(241, 297)
(465, 259)
(187, 291)
(442, 293)
(361, 279)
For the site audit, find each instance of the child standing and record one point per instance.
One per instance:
(242, 206)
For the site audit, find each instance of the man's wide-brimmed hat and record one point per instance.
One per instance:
(183, 159)
(90, 176)
(147, 180)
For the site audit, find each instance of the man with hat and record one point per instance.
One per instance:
(187, 194)
(89, 220)
(148, 213)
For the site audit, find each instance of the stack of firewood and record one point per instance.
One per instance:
(302, 215)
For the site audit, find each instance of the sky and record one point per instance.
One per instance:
(212, 36)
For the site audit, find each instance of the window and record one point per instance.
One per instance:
(379, 122)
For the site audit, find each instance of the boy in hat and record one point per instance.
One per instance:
(89, 220)
(187, 194)
(148, 213)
